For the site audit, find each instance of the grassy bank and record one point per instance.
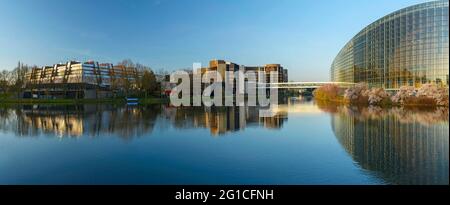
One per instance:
(342, 101)
(145, 101)
(151, 100)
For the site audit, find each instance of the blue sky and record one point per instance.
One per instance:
(303, 35)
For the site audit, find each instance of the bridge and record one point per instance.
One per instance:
(302, 85)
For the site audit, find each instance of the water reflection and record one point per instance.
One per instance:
(222, 120)
(395, 146)
(79, 120)
(128, 121)
(401, 146)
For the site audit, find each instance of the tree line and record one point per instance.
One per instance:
(145, 80)
(13, 81)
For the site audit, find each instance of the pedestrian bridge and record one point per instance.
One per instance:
(302, 85)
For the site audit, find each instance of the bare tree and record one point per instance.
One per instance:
(126, 66)
(136, 77)
(148, 82)
(19, 75)
(127, 63)
(4, 84)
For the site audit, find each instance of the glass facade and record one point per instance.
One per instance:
(407, 47)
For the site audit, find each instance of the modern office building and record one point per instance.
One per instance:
(281, 72)
(222, 67)
(78, 80)
(406, 47)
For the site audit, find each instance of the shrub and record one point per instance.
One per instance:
(404, 94)
(426, 90)
(427, 94)
(357, 94)
(441, 97)
(327, 92)
(420, 100)
(378, 96)
(431, 93)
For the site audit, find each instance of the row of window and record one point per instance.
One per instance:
(413, 39)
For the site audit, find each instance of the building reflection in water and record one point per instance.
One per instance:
(128, 121)
(221, 120)
(76, 121)
(401, 146)
(398, 145)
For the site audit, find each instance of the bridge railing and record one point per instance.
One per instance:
(302, 85)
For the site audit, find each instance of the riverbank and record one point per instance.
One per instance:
(342, 101)
(144, 101)
(427, 95)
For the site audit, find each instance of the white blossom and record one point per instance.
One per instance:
(404, 93)
(427, 90)
(377, 95)
(355, 93)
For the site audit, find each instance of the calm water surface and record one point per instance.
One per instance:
(305, 143)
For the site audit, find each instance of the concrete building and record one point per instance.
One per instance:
(78, 80)
(222, 66)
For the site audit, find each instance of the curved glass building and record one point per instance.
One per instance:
(406, 47)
